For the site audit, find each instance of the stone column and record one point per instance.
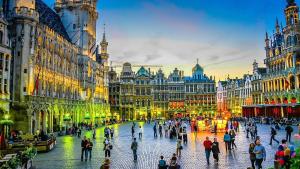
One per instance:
(44, 117)
(37, 120)
(29, 121)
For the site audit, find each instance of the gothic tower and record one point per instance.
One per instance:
(104, 55)
(23, 22)
(79, 19)
(291, 12)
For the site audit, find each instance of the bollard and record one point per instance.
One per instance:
(276, 164)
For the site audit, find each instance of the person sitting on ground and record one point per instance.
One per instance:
(162, 163)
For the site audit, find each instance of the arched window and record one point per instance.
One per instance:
(295, 40)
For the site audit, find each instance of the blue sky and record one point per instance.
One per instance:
(226, 36)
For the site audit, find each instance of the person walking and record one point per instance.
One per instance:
(162, 164)
(232, 139)
(252, 155)
(107, 148)
(207, 145)
(160, 130)
(89, 148)
(178, 148)
(273, 134)
(260, 154)
(289, 131)
(184, 136)
(132, 130)
(215, 149)
(140, 132)
(83, 147)
(227, 140)
(94, 133)
(112, 131)
(134, 147)
(155, 131)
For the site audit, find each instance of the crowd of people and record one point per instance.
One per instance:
(177, 130)
(257, 152)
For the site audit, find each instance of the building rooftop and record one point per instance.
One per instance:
(51, 19)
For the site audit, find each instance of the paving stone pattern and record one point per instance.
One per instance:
(66, 154)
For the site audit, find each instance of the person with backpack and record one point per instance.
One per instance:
(215, 149)
(232, 139)
(162, 164)
(289, 131)
(227, 140)
(207, 145)
(273, 134)
(134, 147)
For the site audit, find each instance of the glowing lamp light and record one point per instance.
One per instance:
(87, 116)
(6, 116)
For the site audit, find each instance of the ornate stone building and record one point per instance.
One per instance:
(160, 94)
(5, 66)
(222, 96)
(145, 95)
(59, 77)
(127, 92)
(200, 93)
(281, 83)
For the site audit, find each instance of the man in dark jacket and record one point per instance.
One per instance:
(83, 147)
(273, 134)
(134, 146)
(215, 149)
(289, 131)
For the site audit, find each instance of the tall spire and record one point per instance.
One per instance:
(267, 37)
(277, 26)
(104, 37)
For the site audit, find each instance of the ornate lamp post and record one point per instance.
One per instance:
(6, 122)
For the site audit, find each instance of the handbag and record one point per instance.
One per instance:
(110, 147)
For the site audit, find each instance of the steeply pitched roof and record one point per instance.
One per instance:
(143, 72)
(50, 18)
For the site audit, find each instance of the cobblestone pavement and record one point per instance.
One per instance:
(66, 154)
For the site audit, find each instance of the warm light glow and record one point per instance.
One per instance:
(6, 116)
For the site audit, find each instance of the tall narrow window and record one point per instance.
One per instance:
(1, 37)
(6, 62)
(5, 86)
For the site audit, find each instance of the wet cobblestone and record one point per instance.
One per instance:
(66, 154)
